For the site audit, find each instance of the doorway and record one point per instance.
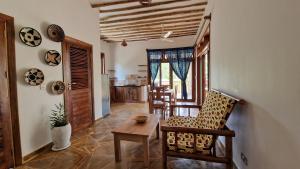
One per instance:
(10, 145)
(77, 67)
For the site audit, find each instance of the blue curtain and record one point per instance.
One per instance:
(154, 59)
(180, 60)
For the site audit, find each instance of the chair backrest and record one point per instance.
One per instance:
(215, 110)
(158, 93)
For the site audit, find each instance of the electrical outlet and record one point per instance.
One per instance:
(244, 159)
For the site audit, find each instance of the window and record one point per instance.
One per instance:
(165, 74)
(189, 84)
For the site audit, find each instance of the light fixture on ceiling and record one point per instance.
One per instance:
(124, 43)
(145, 2)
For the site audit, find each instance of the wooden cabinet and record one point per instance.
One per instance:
(130, 94)
(119, 94)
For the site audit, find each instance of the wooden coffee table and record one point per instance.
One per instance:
(132, 131)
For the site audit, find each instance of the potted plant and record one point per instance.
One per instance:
(60, 128)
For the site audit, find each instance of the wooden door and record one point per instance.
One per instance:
(77, 65)
(5, 111)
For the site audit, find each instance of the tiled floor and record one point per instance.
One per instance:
(93, 149)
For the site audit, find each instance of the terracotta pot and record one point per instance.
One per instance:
(61, 137)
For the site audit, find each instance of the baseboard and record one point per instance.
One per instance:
(36, 153)
(222, 146)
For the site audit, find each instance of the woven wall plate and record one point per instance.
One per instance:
(34, 77)
(55, 33)
(30, 37)
(58, 87)
(52, 58)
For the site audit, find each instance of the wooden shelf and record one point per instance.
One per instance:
(142, 65)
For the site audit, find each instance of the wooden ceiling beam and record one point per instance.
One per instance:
(152, 30)
(179, 24)
(144, 38)
(195, 11)
(103, 4)
(146, 34)
(172, 26)
(152, 11)
(147, 37)
(145, 6)
(161, 21)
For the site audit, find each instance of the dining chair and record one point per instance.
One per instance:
(157, 100)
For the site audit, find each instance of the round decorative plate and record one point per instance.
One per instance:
(34, 77)
(30, 37)
(56, 33)
(52, 58)
(58, 87)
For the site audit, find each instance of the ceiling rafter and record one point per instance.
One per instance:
(103, 4)
(152, 11)
(144, 38)
(154, 25)
(147, 34)
(160, 20)
(165, 29)
(198, 11)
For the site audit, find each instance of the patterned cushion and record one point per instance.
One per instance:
(213, 115)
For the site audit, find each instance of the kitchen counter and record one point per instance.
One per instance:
(129, 85)
(128, 93)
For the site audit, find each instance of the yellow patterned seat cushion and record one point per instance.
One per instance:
(213, 115)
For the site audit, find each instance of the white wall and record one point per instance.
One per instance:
(79, 21)
(125, 59)
(255, 56)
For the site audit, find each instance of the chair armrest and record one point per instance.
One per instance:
(188, 106)
(185, 106)
(225, 132)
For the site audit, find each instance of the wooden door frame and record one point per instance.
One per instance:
(10, 35)
(66, 72)
(203, 49)
(103, 68)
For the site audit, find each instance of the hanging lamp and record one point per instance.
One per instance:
(124, 43)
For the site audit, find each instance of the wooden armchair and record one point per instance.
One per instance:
(195, 137)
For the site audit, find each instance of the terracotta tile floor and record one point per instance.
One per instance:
(93, 148)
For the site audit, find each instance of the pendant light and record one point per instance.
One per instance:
(124, 43)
